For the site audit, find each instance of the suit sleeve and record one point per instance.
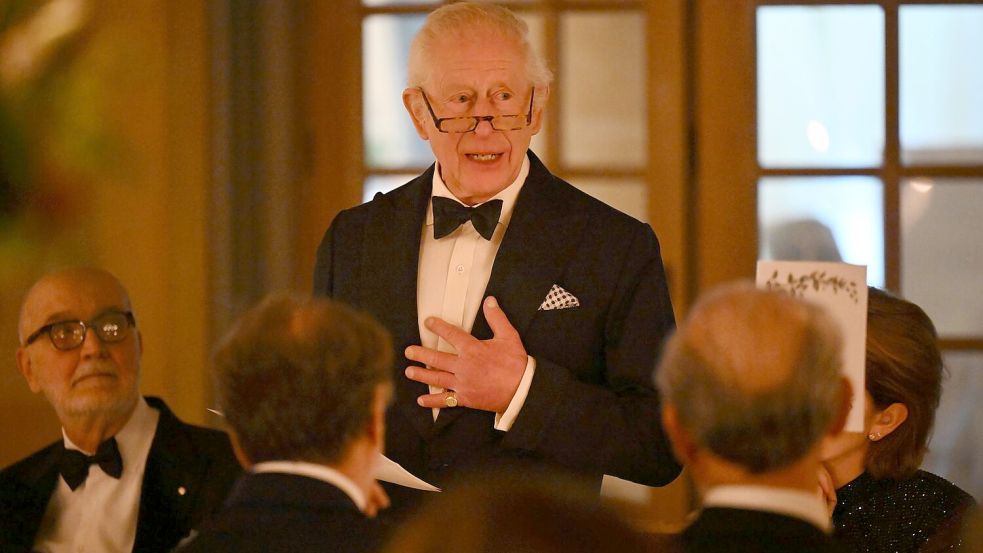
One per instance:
(327, 251)
(612, 426)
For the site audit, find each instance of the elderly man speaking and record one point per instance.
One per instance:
(530, 313)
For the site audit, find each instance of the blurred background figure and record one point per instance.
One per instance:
(304, 385)
(751, 383)
(801, 239)
(531, 512)
(883, 501)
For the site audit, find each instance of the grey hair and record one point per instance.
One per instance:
(737, 336)
(463, 21)
(296, 377)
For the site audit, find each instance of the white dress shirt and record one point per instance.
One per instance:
(452, 277)
(101, 514)
(784, 501)
(318, 472)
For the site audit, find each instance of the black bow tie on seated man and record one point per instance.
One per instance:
(74, 465)
(449, 214)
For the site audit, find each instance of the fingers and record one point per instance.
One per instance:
(376, 500)
(455, 336)
(432, 377)
(827, 490)
(497, 321)
(439, 400)
(431, 357)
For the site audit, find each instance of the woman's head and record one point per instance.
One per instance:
(904, 366)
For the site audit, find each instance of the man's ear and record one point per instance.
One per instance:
(413, 103)
(27, 370)
(539, 108)
(888, 419)
(683, 445)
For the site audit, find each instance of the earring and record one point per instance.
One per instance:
(874, 436)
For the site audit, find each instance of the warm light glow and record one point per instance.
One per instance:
(922, 185)
(818, 136)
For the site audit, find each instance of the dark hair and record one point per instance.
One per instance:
(296, 377)
(904, 365)
(516, 511)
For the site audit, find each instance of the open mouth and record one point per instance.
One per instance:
(484, 157)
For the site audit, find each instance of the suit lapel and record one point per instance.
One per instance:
(170, 485)
(28, 497)
(391, 255)
(539, 242)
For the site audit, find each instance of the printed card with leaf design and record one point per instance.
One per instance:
(842, 289)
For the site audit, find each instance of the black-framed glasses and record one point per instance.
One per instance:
(110, 327)
(469, 123)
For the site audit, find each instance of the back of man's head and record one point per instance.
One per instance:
(298, 378)
(753, 376)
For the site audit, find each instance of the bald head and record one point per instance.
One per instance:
(754, 376)
(753, 339)
(55, 291)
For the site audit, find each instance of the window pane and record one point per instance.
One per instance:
(941, 259)
(628, 195)
(603, 101)
(390, 140)
(820, 86)
(823, 219)
(383, 183)
(957, 443)
(941, 79)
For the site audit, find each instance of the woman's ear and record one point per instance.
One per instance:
(886, 420)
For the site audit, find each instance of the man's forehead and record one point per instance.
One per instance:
(74, 295)
(479, 57)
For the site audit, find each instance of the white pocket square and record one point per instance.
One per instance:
(558, 298)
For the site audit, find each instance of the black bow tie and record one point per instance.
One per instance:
(449, 214)
(74, 465)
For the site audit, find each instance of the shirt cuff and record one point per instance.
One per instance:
(504, 421)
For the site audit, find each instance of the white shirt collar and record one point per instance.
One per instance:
(785, 501)
(318, 472)
(508, 195)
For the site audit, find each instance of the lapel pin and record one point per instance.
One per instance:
(181, 490)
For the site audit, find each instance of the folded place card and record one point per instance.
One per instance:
(842, 289)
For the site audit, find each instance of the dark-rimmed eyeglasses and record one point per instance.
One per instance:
(469, 123)
(110, 327)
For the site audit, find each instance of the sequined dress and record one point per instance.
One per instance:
(922, 513)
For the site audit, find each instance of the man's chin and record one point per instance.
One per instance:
(98, 401)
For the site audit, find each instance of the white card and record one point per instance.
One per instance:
(842, 289)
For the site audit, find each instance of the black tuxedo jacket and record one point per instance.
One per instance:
(269, 512)
(592, 406)
(728, 530)
(198, 460)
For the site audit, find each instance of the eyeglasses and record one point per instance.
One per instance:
(110, 327)
(470, 122)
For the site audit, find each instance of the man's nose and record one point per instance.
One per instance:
(484, 128)
(92, 344)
